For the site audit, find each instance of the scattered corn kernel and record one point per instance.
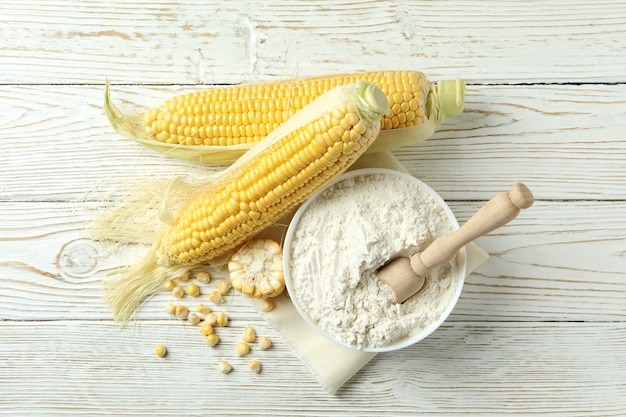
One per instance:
(160, 350)
(255, 366)
(249, 334)
(169, 285)
(225, 367)
(178, 292)
(193, 319)
(203, 309)
(170, 308)
(210, 318)
(212, 340)
(182, 311)
(264, 343)
(183, 277)
(206, 329)
(216, 297)
(223, 286)
(242, 348)
(203, 277)
(193, 290)
(221, 319)
(268, 305)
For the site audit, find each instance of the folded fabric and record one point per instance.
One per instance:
(332, 364)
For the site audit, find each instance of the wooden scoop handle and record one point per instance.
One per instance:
(495, 213)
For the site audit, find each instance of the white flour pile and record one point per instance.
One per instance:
(345, 236)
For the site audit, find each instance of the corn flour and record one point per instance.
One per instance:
(344, 236)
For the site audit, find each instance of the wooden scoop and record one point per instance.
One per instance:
(406, 276)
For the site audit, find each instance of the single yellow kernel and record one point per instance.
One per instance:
(264, 343)
(193, 290)
(268, 305)
(203, 277)
(221, 319)
(160, 350)
(210, 318)
(169, 285)
(193, 319)
(255, 366)
(225, 367)
(178, 292)
(170, 308)
(223, 286)
(216, 297)
(212, 339)
(206, 329)
(242, 348)
(203, 309)
(183, 277)
(181, 311)
(249, 334)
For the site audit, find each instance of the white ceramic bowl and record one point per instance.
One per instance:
(415, 335)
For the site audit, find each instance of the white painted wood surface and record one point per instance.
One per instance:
(540, 328)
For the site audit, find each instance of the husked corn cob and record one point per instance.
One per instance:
(261, 190)
(314, 146)
(247, 113)
(189, 126)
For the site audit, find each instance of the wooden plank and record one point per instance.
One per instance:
(540, 327)
(171, 42)
(563, 141)
(557, 261)
(96, 369)
(63, 146)
(566, 142)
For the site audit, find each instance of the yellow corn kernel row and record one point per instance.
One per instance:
(219, 124)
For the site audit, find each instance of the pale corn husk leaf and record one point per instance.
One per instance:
(224, 155)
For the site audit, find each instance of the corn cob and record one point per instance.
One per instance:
(217, 125)
(314, 146)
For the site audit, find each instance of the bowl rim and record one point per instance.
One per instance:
(403, 341)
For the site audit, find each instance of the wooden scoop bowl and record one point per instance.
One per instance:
(406, 276)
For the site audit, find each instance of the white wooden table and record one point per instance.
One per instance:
(541, 326)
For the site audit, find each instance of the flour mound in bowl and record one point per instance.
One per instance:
(345, 236)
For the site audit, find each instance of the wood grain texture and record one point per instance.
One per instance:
(216, 42)
(540, 327)
(565, 142)
(93, 369)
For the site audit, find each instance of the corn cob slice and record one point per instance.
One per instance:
(256, 269)
(314, 146)
(217, 125)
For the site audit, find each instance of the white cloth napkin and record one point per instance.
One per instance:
(332, 364)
